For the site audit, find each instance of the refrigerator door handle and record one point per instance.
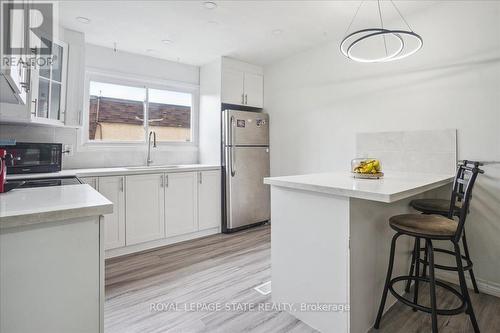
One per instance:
(233, 163)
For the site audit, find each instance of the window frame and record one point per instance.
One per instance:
(93, 74)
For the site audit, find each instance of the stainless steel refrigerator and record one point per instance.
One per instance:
(245, 161)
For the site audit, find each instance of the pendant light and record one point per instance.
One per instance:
(399, 39)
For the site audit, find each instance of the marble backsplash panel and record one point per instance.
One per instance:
(428, 151)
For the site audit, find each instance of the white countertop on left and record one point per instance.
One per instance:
(22, 207)
(392, 187)
(97, 172)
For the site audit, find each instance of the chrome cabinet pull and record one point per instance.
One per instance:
(35, 101)
(166, 181)
(246, 99)
(242, 98)
(122, 184)
(200, 177)
(162, 181)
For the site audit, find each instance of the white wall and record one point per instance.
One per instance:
(129, 63)
(210, 113)
(318, 100)
(126, 63)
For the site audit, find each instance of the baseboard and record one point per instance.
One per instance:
(486, 287)
(159, 243)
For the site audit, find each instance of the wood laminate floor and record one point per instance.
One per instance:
(222, 270)
(219, 270)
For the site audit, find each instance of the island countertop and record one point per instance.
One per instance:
(392, 187)
(22, 207)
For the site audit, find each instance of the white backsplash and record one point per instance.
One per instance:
(429, 151)
(98, 158)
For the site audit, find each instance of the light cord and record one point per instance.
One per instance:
(402, 17)
(382, 26)
(354, 17)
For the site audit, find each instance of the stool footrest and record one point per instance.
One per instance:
(466, 267)
(447, 312)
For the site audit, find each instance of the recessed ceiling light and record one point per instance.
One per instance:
(277, 32)
(167, 41)
(209, 5)
(83, 20)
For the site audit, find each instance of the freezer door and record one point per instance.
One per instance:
(247, 197)
(243, 128)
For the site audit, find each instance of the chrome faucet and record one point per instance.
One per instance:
(149, 160)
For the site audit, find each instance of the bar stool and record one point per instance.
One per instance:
(429, 228)
(442, 207)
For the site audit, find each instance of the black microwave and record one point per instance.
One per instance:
(28, 157)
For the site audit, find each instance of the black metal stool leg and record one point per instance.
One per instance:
(387, 280)
(463, 287)
(471, 272)
(432, 284)
(424, 273)
(417, 272)
(412, 267)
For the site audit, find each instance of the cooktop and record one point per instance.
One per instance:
(42, 182)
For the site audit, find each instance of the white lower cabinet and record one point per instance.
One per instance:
(209, 199)
(92, 181)
(181, 200)
(145, 208)
(155, 209)
(113, 188)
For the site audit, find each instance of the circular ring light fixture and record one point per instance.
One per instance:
(369, 33)
(403, 38)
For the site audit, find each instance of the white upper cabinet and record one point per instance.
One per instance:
(181, 203)
(233, 88)
(242, 84)
(145, 209)
(209, 199)
(113, 188)
(254, 90)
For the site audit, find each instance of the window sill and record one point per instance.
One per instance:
(137, 146)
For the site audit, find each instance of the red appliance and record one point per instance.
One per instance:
(3, 170)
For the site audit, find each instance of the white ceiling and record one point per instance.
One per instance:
(242, 29)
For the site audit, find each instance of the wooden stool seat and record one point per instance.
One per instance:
(423, 225)
(433, 206)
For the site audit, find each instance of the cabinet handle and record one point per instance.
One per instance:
(246, 99)
(162, 181)
(201, 177)
(242, 98)
(166, 181)
(122, 185)
(35, 101)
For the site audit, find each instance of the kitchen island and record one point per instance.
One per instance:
(52, 259)
(330, 241)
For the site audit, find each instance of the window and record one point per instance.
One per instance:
(125, 113)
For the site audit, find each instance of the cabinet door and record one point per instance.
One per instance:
(114, 224)
(92, 181)
(209, 199)
(181, 203)
(232, 87)
(145, 208)
(254, 90)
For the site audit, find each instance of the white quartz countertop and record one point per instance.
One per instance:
(95, 172)
(22, 207)
(392, 187)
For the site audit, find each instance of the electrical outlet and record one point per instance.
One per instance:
(68, 150)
